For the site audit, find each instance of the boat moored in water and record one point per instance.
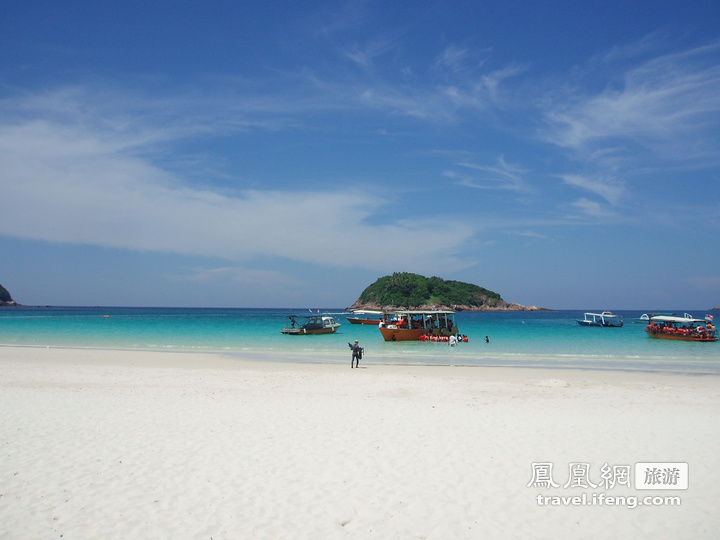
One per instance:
(681, 328)
(368, 317)
(320, 324)
(606, 318)
(410, 325)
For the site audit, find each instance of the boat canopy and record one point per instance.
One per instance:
(422, 318)
(677, 320)
(429, 312)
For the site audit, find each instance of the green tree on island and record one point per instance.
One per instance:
(404, 289)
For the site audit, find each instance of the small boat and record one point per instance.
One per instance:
(606, 318)
(681, 328)
(375, 320)
(410, 325)
(315, 324)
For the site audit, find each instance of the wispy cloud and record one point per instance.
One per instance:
(267, 282)
(502, 176)
(456, 82)
(528, 234)
(609, 189)
(588, 208)
(454, 58)
(71, 182)
(669, 105)
(493, 80)
(365, 55)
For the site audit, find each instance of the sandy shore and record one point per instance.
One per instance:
(129, 444)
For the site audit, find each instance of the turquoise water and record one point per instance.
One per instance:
(535, 339)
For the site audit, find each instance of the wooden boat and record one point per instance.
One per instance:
(606, 318)
(316, 324)
(378, 316)
(409, 325)
(681, 328)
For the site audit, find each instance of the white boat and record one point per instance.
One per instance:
(316, 324)
(606, 318)
(684, 328)
(374, 317)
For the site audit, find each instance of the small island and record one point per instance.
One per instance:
(5, 298)
(404, 290)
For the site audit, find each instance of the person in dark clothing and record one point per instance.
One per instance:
(357, 351)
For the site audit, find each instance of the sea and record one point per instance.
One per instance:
(551, 339)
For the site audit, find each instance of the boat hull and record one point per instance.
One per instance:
(680, 337)
(309, 331)
(606, 325)
(356, 320)
(403, 334)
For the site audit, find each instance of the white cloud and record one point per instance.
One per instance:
(265, 283)
(71, 184)
(669, 105)
(529, 234)
(365, 56)
(492, 81)
(502, 176)
(609, 189)
(454, 83)
(590, 208)
(453, 58)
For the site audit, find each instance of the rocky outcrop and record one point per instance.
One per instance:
(5, 298)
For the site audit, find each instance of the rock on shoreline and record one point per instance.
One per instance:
(5, 298)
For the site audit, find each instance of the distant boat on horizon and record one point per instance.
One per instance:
(606, 319)
(375, 320)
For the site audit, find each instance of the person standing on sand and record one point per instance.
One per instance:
(356, 354)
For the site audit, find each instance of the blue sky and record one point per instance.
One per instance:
(287, 154)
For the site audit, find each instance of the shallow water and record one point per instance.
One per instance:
(535, 339)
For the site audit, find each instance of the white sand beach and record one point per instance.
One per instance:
(132, 444)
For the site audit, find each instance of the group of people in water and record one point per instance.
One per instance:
(453, 339)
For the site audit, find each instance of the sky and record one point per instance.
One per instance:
(270, 153)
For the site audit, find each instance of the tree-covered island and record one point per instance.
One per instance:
(404, 290)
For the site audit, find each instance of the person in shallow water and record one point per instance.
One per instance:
(357, 351)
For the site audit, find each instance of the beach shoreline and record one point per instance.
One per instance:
(111, 443)
(679, 365)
